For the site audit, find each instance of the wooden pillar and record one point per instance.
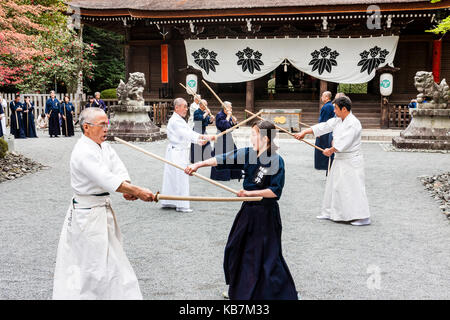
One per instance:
(127, 54)
(437, 51)
(323, 88)
(250, 96)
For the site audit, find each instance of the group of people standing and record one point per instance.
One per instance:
(22, 118)
(93, 265)
(200, 117)
(58, 116)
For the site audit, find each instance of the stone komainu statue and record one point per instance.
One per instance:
(437, 95)
(133, 90)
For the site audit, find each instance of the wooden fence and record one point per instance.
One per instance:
(162, 109)
(399, 116)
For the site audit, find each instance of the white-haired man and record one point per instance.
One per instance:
(91, 262)
(180, 137)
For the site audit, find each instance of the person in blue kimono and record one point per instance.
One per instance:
(52, 111)
(67, 111)
(324, 141)
(253, 262)
(2, 114)
(224, 144)
(99, 103)
(412, 104)
(28, 118)
(17, 126)
(91, 103)
(202, 118)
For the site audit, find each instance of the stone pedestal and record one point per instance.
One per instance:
(428, 129)
(132, 123)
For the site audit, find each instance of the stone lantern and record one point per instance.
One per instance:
(130, 119)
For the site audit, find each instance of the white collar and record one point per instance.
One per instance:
(90, 142)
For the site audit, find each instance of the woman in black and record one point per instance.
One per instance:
(253, 263)
(67, 110)
(28, 118)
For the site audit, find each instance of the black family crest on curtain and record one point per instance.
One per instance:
(377, 56)
(322, 62)
(202, 60)
(250, 60)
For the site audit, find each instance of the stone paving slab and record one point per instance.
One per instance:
(402, 255)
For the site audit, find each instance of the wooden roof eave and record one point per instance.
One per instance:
(261, 11)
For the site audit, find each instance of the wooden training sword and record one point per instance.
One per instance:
(195, 174)
(159, 196)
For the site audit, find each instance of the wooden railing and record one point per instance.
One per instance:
(399, 116)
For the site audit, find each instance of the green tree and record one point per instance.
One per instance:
(443, 26)
(38, 48)
(109, 60)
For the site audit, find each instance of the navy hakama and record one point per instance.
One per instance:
(52, 108)
(28, 119)
(69, 108)
(223, 145)
(1, 126)
(198, 152)
(17, 119)
(324, 141)
(254, 265)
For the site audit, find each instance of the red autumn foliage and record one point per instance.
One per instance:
(18, 37)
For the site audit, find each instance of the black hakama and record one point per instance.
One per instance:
(52, 107)
(69, 108)
(18, 132)
(28, 119)
(324, 142)
(222, 145)
(254, 265)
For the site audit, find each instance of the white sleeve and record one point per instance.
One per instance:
(98, 173)
(324, 127)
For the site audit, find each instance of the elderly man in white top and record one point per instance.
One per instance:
(180, 137)
(91, 262)
(345, 192)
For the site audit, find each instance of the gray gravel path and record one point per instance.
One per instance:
(179, 256)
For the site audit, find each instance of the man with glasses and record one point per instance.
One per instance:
(91, 262)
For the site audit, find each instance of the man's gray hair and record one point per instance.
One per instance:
(328, 94)
(227, 104)
(97, 93)
(204, 102)
(89, 115)
(179, 102)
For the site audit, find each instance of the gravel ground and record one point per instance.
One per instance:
(402, 255)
